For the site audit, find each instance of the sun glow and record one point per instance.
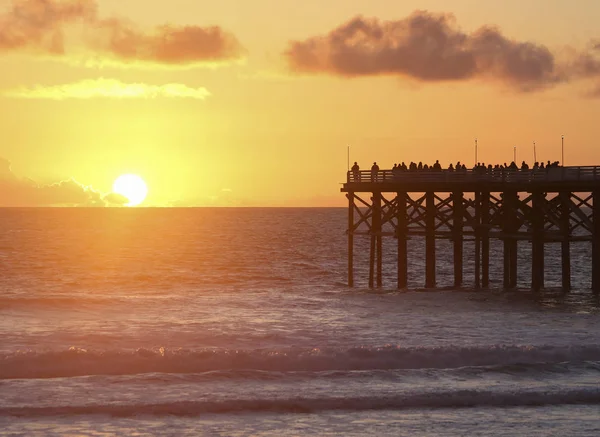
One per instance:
(132, 187)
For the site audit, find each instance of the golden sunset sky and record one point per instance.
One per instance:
(253, 102)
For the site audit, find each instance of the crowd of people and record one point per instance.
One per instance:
(480, 168)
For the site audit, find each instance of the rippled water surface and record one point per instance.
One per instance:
(238, 322)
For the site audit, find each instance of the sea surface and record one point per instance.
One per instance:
(178, 322)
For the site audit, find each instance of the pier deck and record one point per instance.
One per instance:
(538, 206)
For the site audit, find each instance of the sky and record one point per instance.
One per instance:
(255, 102)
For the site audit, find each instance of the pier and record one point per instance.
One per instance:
(537, 206)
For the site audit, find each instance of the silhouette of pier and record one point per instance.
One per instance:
(537, 206)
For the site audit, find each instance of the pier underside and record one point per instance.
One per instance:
(536, 213)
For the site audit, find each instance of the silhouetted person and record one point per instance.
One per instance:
(374, 172)
(356, 172)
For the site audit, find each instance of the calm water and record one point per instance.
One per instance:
(238, 322)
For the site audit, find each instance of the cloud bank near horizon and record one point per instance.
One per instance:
(24, 192)
(41, 26)
(431, 47)
(107, 88)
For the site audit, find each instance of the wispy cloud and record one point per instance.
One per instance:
(39, 26)
(107, 88)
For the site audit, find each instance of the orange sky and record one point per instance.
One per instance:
(253, 103)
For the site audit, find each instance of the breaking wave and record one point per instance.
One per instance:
(81, 362)
(449, 399)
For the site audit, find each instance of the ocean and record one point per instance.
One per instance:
(238, 322)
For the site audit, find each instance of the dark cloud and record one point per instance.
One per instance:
(426, 47)
(24, 192)
(169, 45)
(586, 63)
(39, 26)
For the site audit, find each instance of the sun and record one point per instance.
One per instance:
(132, 187)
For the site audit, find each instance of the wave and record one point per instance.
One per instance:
(82, 362)
(447, 399)
(55, 302)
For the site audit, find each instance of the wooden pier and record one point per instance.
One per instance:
(538, 206)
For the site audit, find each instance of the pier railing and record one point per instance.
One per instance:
(550, 174)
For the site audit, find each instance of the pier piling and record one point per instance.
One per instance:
(477, 231)
(457, 223)
(401, 235)
(484, 226)
(537, 242)
(430, 240)
(596, 242)
(351, 207)
(565, 244)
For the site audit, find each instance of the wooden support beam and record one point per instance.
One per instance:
(537, 241)
(477, 228)
(596, 242)
(565, 224)
(515, 225)
(379, 260)
(485, 239)
(430, 279)
(457, 228)
(401, 235)
(350, 196)
(372, 262)
(506, 211)
(585, 220)
(377, 234)
(510, 226)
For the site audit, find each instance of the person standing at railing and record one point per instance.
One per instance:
(356, 172)
(374, 172)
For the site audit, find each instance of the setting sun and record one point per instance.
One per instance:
(132, 187)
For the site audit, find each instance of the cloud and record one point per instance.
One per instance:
(426, 47)
(41, 26)
(24, 192)
(115, 199)
(166, 45)
(106, 88)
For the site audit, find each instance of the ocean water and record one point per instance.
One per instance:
(238, 322)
